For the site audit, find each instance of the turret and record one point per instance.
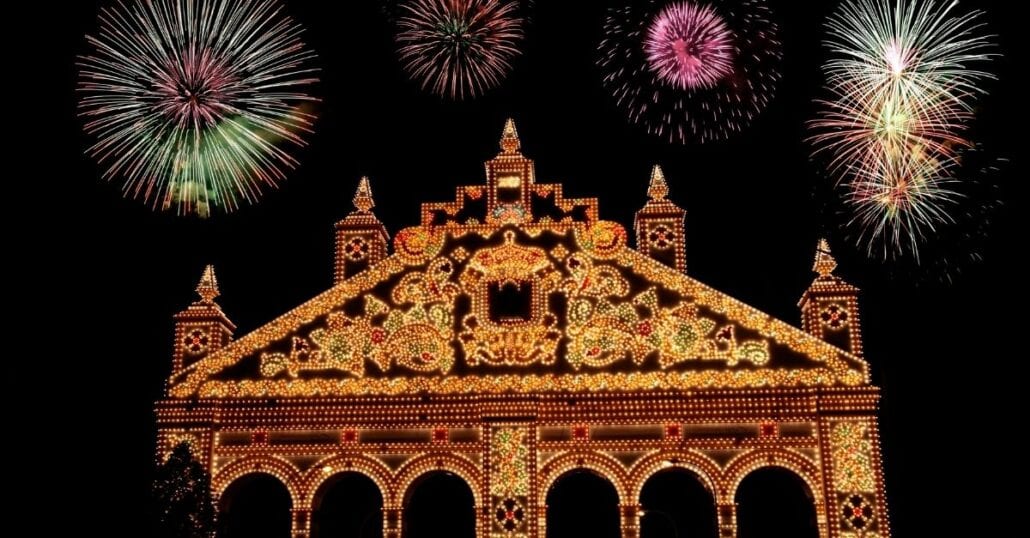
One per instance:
(361, 240)
(202, 328)
(509, 177)
(660, 225)
(829, 307)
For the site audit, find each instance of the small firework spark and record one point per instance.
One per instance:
(902, 84)
(459, 48)
(189, 99)
(689, 46)
(691, 71)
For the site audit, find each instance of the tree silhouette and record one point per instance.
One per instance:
(182, 495)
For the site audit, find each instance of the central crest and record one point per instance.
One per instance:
(510, 322)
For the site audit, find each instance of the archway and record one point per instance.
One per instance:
(439, 503)
(255, 505)
(676, 504)
(349, 505)
(582, 503)
(774, 502)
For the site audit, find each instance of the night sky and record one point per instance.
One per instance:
(945, 355)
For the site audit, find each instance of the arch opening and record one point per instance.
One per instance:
(774, 502)
(583, 503)
(676, 503)
(439, 503)
(347, 504)
(255, 505)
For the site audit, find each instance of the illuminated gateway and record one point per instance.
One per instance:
(514, 340)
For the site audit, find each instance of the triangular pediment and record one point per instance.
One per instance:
(527, 307)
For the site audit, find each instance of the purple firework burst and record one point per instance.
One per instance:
(688, 71)
(690, 46)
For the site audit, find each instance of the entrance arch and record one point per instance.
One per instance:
(439, 503)
(255, 505)
(581, 502)
(773, 502)
(675, 502)
(347, 504)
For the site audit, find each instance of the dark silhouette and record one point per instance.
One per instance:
(182, 495)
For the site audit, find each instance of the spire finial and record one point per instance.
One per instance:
(363, 197)
(510, 137)
(207, 288)
(658, 189)
(824, 262)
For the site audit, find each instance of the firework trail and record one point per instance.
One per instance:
(189, 100)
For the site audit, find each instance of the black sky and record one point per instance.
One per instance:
(947, 357)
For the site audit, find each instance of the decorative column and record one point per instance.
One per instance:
(727, 514)
(508, 507)
(630, 520)
(856, 504)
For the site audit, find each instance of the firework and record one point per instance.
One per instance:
(899, 199)
(459, 48)
(901, 75)
(689, 46)
(902, 86)
(960, 205)
(691, 70)
(190, 100)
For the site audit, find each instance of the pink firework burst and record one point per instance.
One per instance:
(196, 88)
(689, 46)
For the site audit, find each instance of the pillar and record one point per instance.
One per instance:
(301, 523)
(630, 520)
(391, 522)
(727, 518)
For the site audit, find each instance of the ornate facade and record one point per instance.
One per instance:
(513, 337)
